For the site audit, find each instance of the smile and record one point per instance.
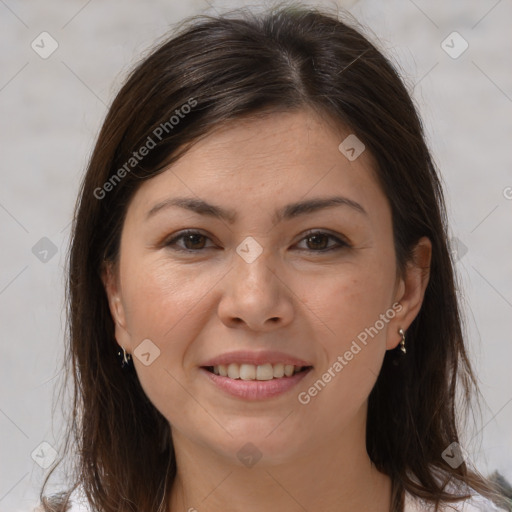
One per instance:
(256, 372)
(251, 382)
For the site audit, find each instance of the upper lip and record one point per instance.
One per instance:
(256, 358)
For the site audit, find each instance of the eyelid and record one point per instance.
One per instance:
(168, 242)
(341, 241)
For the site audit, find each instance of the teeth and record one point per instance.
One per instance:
(248, 371)
(256, 372)
(288, 370)
(278, 370)
(264, 372)
(233, 371)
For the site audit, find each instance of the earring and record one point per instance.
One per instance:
(402, 343)
(124, 357)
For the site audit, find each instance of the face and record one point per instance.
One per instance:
(313, 285)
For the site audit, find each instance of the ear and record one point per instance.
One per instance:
(411, 290)
(110, 279)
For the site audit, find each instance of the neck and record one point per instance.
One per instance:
(333, 475)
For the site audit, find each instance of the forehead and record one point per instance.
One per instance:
(300, 141)
(279, 158)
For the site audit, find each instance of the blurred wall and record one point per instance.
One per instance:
(52, 105)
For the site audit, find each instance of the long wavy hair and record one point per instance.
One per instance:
(237, 65)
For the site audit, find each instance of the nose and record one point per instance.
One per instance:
(255, 296)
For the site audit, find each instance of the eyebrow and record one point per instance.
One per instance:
(287, 212)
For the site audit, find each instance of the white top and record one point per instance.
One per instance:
(476, 503)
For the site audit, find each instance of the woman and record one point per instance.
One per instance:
(224, 358)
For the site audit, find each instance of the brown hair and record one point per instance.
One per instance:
(225, 68)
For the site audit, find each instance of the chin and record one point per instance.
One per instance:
(262, 444)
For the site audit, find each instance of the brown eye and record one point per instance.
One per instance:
(192, 241)
(318, 242)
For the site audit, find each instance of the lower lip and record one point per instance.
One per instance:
(255, 389)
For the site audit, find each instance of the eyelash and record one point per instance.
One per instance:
(172, 242)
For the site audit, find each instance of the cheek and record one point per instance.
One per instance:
(355, 308)
(353, 351)
(353, 298)
(165, 304)
(159, 297)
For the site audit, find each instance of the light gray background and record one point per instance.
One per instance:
(51, 110)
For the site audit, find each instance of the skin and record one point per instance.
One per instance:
(293, 298)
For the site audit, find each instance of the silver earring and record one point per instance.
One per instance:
(402, 343)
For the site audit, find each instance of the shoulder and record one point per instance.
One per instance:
(476, 503)
(77, 502)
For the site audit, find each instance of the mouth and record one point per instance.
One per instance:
(251, 382)
(251, 372)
